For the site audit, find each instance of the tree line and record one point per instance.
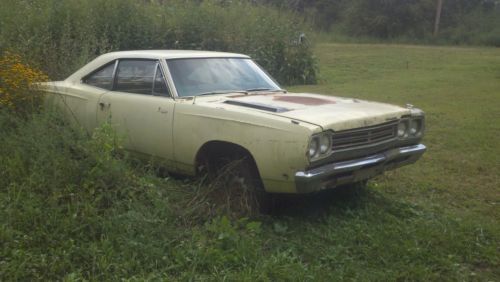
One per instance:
(454, 21)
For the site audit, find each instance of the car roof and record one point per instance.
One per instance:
(147, 54)
(172, 54)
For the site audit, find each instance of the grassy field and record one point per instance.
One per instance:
(435, 220)
(458, 179)
(459, 88)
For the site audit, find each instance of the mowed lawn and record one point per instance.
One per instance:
(440, 217)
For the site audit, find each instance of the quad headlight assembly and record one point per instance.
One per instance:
(408, 128)
(320, 146)
(412, 127)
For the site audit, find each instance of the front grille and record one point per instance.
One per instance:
(365, 136)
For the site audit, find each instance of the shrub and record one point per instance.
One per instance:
(17, 85)
(60, 36)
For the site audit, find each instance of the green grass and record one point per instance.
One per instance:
(458, 88)
(73, 208)
(458, 180)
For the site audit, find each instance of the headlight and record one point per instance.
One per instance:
(325, 143)
(313, 148)
(411, 127)
(416, 126)
(402, 129)
(320, 146)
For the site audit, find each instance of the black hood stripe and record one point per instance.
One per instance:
(257, 106)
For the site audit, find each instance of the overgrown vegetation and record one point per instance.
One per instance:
(61, 36)
(75, 207)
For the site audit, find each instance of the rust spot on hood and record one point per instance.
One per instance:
(309, 101)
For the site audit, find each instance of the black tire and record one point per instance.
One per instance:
(355, 190)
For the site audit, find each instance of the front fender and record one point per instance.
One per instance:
(277, 145)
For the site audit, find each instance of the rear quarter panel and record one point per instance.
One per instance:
(77, 101)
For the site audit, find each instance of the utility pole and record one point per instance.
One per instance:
(438, 17)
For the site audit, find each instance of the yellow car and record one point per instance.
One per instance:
(197, 110)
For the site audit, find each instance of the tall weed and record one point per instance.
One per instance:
(55, 188)
(60, 36)
(72, 207)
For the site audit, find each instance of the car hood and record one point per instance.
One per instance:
(328, 112)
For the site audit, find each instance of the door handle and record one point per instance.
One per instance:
(162, 111)
(104, 105)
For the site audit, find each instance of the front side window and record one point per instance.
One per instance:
(197, 76)
(135, 76)
(102, 78)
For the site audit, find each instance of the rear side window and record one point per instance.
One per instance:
(102, 78)
(135, 76)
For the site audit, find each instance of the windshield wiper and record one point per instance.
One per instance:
(221, 92)
(265, 89)
(215, 92)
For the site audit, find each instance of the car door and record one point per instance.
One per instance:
(140, 108)
(78, 100)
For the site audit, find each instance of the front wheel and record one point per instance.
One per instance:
(355, 190)
(237, 187)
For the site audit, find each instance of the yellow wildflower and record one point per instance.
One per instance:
(16, 84)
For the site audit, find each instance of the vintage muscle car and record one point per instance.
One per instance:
(195, 109)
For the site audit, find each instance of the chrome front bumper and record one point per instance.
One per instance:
(345, 172)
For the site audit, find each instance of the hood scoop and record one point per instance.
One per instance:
(258, 106)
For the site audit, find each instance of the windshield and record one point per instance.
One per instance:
(199, 76)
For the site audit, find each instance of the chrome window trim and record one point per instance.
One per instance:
(169, 94)
(113, 82)
(158, 63)
(154, 79)
(168, 79)
(116, 72)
